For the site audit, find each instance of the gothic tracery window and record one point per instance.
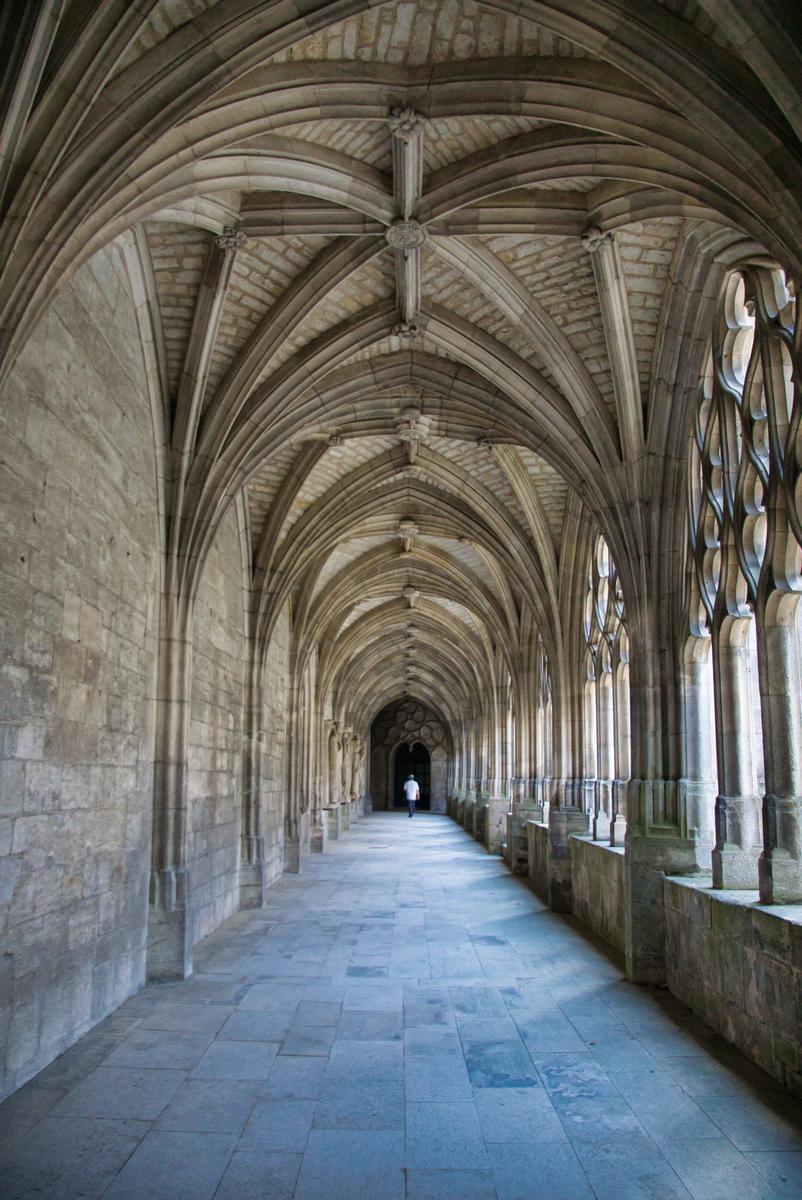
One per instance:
(744, 539)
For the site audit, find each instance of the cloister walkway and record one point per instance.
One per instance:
(404, 1019)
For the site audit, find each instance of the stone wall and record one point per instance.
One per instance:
(537, 848)
(739, 967)
(215, 758)
(78, 595)
(597, 888)
(274, 746)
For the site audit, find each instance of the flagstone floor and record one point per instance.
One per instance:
(404, 1021)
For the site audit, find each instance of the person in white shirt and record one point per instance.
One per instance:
(412, 793)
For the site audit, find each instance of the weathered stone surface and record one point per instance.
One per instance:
(419, 359)
(597, 888)
(81, 596)
(732, 963)
(273, 779)
(523, 1065)
(215, 753)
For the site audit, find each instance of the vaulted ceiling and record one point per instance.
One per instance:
(410, 267)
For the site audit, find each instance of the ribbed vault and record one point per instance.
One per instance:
(419, 289)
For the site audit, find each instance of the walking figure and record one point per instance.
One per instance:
(412, 793)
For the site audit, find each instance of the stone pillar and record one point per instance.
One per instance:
(565, 820)
(537, 804)
(654, 848)
(318, 832)
(252, 876)
(332, 824)
(170, 922)
(619, 805)
(345, 763)
(780, 684)
(252, 885)
(353, 777)
(605, 756)
(602, 809)
(332, 774)
(317, 738)
(623, 753)
(495, 822)
(737, 848)
(657, 841)
(698, 743)
(170, 932)
(292, 854)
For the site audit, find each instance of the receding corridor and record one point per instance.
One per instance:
(403, 1019)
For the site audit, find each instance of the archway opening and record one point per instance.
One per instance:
(412, 760)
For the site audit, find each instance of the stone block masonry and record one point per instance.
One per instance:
(739, 966)
(273, 789)
(597, 888)
(215, 754)
(78, 597)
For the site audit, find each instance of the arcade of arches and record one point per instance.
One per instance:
(400, 379)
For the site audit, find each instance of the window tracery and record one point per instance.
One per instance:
(745, 560)
(746, 473)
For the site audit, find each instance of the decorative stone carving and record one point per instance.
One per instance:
(406, 235)
(231, 239)
(593, 239)
(406, 330)
(406, 123)
(410, 594)
(407, 532)
(412, 426)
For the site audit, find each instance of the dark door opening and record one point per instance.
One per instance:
(415, 761)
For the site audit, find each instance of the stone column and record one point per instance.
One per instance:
(337, 778)
(318, 831)
(655, 847)
(498, 799)
(329, 814)
(605, 758)
(252, 883)
(296, 823)
(656, 840)
(781, 688)
(353, 781)
(566, 817)
(698, 743)
(363, 801)
(737, 848)
(622, 757)
(345, 780)
(170, 923)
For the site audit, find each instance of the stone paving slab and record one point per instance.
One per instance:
(404, 1021)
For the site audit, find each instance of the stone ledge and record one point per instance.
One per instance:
(737, 901)
(738, 965)
(589, 840)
